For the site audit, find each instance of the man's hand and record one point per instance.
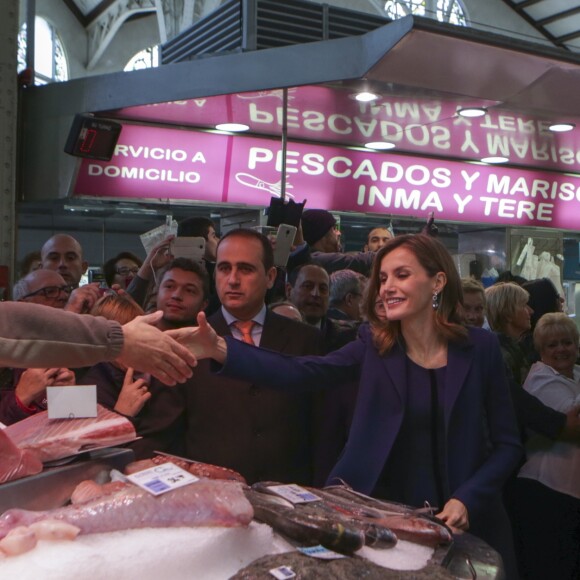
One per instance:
(203, 341)
(455, 515)
(149, 350)
(133, 395)
(83, 299)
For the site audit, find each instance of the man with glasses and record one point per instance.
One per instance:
(44, 287)
(49, 288)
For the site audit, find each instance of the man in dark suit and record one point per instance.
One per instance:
(263, 434)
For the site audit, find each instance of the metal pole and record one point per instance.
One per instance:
(284, 142)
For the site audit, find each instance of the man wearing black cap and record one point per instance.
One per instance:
(323, 239)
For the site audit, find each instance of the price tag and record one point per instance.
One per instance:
(282, 573)
(321, 552)
(162, 478)
(71, 402)
(294, 493)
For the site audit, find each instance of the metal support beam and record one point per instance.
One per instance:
(8, 116)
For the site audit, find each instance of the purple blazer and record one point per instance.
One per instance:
(482, 443)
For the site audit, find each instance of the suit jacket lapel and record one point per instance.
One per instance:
(219, 324)
(273, 337)
(395, 363)
(459, 359)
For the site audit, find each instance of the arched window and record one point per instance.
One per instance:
(450, 11)
(49, 58)
(146, 58)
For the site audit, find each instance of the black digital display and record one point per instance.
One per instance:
(93, 138)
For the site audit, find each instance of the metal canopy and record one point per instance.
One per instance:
(409, 62)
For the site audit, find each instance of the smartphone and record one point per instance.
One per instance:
(284, 241)
(188, 247)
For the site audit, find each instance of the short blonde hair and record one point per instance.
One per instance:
(554, 323)
(502, 301)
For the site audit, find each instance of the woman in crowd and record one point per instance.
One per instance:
(121, 269)
(154, 408)
(433, 420)
(547, 498)
(509, 317)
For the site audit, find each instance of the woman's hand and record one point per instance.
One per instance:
(133, 395)
(159, 256)
(203, 341)
(455, 515)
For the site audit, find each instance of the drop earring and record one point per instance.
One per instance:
(435, 301)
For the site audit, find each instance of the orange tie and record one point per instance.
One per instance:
(245, 327)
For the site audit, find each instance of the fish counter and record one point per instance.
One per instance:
(66, 511)
(73, 520)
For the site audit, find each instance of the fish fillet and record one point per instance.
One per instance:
(51, 439)
(204, 503)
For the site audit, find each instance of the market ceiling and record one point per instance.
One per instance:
(557, 20)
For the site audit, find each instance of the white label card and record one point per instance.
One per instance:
(71, 402)
(321, 552)
(294, 493)
(162, 478)
(282, 573)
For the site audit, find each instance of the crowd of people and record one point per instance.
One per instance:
(380, 368)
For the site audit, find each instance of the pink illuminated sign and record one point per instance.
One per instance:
(187, 165)
(429, 126)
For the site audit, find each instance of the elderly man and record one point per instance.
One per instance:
(49, 288)
(63, 254)
(263, 434)
(346, 295)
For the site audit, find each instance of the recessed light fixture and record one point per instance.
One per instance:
(232, 127)
(380, 145)
(561, 127)
(366, 96)
(493, 159)
(472, 112)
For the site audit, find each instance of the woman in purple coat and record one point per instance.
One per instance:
(433, 420)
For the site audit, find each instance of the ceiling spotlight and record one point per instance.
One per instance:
(365, 96)
(561, 127)
(380, 145)
(472, 112)
(232, 127)
(497, 159)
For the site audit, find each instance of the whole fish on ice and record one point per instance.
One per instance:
(204, 503)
